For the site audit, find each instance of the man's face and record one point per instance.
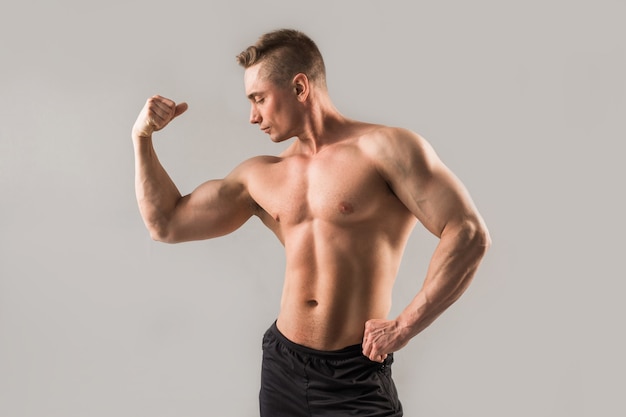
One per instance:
(274, 108)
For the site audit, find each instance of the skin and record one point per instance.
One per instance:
(342, 199)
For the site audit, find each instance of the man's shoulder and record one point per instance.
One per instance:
(256, 162)
(251, 167)
(387, 141)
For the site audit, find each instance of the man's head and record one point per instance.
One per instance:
(284, 80)
(283, 54)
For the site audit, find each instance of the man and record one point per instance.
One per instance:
(342, 199)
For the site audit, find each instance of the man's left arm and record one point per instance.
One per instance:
(443, 205)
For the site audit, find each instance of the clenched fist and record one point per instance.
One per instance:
(155, 115)
(382, 337)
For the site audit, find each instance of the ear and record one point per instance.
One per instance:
(301, 85)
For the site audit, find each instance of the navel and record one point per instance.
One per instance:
(312, 303)
(346, 208)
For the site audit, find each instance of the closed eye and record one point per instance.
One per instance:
(256, 98)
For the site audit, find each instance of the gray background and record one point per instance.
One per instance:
(524, 100)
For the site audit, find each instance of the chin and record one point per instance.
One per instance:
(278, 139)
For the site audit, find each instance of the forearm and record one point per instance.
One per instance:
(452, 268)
(156, 193)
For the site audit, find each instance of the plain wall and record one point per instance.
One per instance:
(524, 101)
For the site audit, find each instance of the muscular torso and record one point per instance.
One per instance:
(344, 231)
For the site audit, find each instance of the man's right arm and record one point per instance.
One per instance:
(213, 209)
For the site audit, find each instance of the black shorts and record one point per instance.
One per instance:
(299, 381)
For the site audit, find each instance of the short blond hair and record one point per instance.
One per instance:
(284, 54)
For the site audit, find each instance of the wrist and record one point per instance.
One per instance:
(142, 131)
(138, 135)
(406, 325)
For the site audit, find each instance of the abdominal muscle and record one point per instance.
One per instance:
(335, 281)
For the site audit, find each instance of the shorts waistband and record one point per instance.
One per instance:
(344, 353)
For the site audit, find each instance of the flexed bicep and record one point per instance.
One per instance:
(215, 208)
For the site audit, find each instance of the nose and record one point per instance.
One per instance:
(255, 118)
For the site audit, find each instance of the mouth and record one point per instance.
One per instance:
(265, 129)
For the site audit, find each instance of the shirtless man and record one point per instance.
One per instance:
(342, 199)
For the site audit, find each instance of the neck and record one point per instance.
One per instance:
(322, 126)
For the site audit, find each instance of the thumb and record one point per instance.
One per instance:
(180, 109)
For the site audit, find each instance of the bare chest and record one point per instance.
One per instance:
(339, 187)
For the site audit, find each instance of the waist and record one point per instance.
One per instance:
(322, 328)
(341, 353)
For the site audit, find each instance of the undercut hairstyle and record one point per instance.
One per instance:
(284, 54)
